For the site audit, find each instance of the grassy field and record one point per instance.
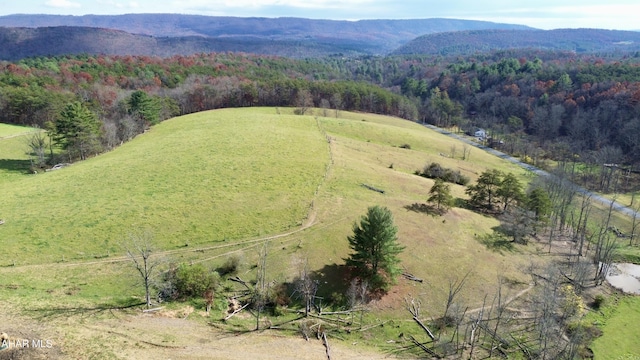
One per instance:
(222, 183)
(197, 180)
(619, 323)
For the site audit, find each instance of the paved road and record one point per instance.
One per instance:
(616, 205)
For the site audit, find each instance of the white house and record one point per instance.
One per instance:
(480, 134)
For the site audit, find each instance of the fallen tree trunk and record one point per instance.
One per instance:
(425, 328)
(235, 312)
(372, 188)
(326, 345)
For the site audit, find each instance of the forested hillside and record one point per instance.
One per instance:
(363, 37)
(474, 41)
(537, 104)
(542, 104)
(130, 93)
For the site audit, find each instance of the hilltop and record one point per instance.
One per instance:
(482, 41)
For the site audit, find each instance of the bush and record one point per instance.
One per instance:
(188, 281)
(598, 301)
(230, 266)
(436, 171)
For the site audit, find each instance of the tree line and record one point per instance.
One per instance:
(128, 94)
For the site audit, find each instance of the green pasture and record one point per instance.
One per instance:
(618, 320)
(222, 183)
(202, 179)
(213, 184)
(8, 130)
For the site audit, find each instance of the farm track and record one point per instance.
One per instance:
(17, 135)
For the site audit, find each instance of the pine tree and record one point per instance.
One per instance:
(484, 194)
(441, 195)
(77, 130)
(375, 245)
(510, 190)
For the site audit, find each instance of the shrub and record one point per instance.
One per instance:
(230, 266)
(436, 171)
(191, 280)
(598, 301)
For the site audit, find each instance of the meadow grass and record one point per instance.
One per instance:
(205, 178)
(619, 323)
(7, 130)
(219, 183)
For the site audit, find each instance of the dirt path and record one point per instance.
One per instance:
(16, 135)
(509, 301)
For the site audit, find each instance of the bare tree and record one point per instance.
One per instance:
(139, 249)
(325, 105)
(605, 247)
(581, 228)
(306, 287)
(455, 287)
(634, 222)
(303, 101)
(260, 291)
(466, 151)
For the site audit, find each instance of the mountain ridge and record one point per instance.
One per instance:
(364, 37)
(582, 40)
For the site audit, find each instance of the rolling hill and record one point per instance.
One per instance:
(218, 183)
(469, 42)
(168, 34)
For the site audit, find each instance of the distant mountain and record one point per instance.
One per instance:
(18, 43)
(273, 35)
(469, 42)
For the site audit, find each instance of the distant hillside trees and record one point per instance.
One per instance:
(375, 248)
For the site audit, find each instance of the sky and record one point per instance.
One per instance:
(542, 14)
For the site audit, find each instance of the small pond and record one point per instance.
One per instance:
(625, 277)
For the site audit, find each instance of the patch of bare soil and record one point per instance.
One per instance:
(27, 338)
(169, 334)
(161, 337)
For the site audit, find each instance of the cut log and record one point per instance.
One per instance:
(411, 277)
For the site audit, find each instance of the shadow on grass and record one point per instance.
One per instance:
(425, 209)
(333, 282)
(496, 242)
(13, 165)
(119, 304)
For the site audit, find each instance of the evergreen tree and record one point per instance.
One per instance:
(440, 194)
(375, 246)
(510, 190)
(484, 193)
(539, 202)
(77, 130)
(144, 107)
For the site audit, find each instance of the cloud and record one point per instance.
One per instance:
(62, 4)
